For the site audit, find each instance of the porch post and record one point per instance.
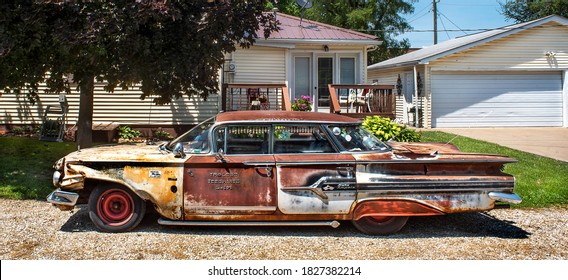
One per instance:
(415, 99)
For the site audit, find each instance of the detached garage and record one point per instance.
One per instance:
(512, 76)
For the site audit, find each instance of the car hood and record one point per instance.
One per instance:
(120, 153)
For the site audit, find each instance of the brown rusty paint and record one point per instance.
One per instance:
(282, 116)
(393, 207)
(214, 187)
(304, 174)
(161, 185)
(424, 148)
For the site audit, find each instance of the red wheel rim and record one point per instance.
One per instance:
(115, 207)
(380, 219)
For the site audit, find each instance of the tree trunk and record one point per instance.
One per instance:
(85, 120)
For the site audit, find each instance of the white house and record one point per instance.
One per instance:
(305, 55)
(511, 76)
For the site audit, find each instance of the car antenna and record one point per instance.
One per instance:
(435, 153)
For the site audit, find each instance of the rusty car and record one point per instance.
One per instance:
(279, 168)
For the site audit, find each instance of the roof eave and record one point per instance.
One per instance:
(323, 41)
(428, 58)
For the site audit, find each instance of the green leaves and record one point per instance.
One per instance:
(527, 10)
(386, 130)
(172, 48)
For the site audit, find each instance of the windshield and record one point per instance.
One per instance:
(196, 140)
(357, 139)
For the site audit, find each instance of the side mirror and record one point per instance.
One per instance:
(178, 151)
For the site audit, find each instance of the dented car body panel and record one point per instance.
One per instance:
(272, 166)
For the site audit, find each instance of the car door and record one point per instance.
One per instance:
(238, 179)
(313, 177)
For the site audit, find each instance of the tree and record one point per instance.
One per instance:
(169, 47)
(527, 10)
(382, 18)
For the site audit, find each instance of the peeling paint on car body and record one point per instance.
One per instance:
(231, 170)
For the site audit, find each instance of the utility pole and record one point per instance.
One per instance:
(435, 12)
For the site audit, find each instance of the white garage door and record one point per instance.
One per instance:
(496, 100)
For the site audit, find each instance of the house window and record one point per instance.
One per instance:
(301, 76)
(347, 70)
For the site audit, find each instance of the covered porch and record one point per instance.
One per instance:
(357, 101)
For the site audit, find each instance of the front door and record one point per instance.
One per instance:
(238, 179)
(408, 96)
(324, 78)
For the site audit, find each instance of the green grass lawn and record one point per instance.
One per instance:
(540, 181)
(26, 168)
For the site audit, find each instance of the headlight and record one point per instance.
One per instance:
(56, 177)
(58, 165)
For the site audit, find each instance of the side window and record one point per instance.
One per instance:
(243, 140)
(300, 139)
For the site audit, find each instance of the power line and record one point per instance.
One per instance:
(451, 22)
(447, 34)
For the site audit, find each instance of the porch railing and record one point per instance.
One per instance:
(362, 100)
(253, 96)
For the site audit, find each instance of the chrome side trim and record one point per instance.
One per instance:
(505, 197)
(60, 197)
(327, 183)
(165, 222)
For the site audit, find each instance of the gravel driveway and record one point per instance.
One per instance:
(36, 230)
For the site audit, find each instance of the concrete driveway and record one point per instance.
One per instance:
(550, 142)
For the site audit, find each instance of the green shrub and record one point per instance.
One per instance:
(126, 132)
(161, 134)
(385, 130)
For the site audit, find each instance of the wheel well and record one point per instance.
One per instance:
(91, 184)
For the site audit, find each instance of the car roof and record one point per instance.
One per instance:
(282, 117)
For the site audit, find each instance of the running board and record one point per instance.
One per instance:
(165, 222)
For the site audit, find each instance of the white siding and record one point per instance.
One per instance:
(124, 107)
(259, 65)
(389, 77)
(523, 50)
(482, 99)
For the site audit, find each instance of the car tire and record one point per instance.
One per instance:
(115, 208)
(380, 225)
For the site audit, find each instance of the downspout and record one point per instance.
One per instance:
(565, 99)
(415, 99)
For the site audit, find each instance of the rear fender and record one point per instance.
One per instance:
(393, 207)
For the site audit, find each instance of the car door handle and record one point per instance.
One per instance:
(268, 170)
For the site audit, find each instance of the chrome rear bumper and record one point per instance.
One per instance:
(505, 197)
(59, 197)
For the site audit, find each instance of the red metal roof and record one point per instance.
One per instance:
(292, 27)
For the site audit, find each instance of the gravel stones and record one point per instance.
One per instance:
(37, 230)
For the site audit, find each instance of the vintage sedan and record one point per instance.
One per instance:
(279, 168)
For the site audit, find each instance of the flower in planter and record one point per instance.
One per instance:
(302, 104)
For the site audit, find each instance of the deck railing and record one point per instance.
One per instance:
(362, 100)
(253, 96)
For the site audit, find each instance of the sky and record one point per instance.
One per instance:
(455, 15)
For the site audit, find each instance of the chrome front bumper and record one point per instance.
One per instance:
(63, 198)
